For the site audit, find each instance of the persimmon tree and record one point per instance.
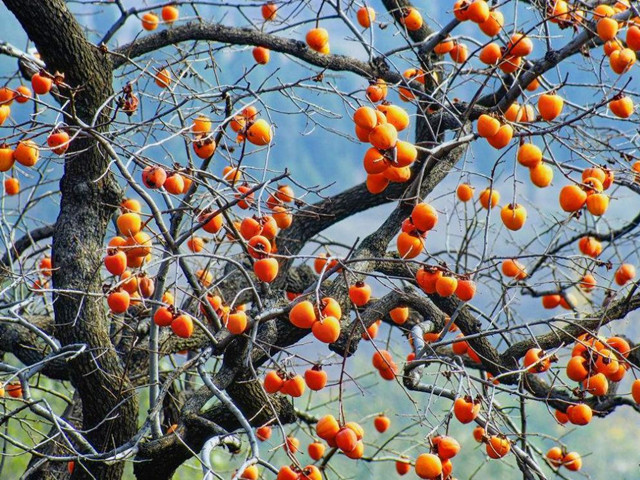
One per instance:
(178, 282)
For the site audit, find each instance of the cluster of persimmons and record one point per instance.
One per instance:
(594, 362)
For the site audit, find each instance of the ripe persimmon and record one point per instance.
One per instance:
(170, 14)
(412, 19)
(478, 11)
(550, 106)
(460, 10)
(572, 461)
(622, 107)
(384, 136)
(535, 361)
(294, 386)
(366, 16)
(487, 126)
(269, 11)
(464, 192)
(130, 205)
(315, 378)
(365, 117)
(264, 432)
(502, 138)
(554, 455)
(510, 64)
(622, 60)
(493, 24)
(541, 175)
(303, 314)
(529, 155)
(354, 454)
(635, 391)
(6, 158)
(489, 198)
(381, 423)
(237, 322)
(250, 473)
(428, 466)
(374, 161)
(182, 326)
(150, 21)
(633, 37)
(399, 315)
(572, 198)
(520, 45)
(327, 330)
(395, 115)
(406, 154)
(597, 204)
(427, 279)
(403, 467)
(259, 133)
(174, 184)
(129, 223)
(625, 273)
(273, 382)
(465, 290)
(513, 216)
(266, 269)
(579, 414)
(288, 473)
(606, 363)
(153, 177)
(26, 153)
(346, 440)
(590, 246)
(478, 434)
(497, 446)
(118, 301)
(327, 427)
(259, 246)
(317, 39)
(444, 47)
(58, 142)
(316, 450)
(163, 317)
(459, 53)
(446, 447)
(116, 263)
(607, 29)
(465, 409)
(14, 390)
(513, 268)
(551, 301)
(446, 285)
(491, 54)
(360, 293)
(261, 55)
(41, 83)
(409, 246)
(11, 186)
(23, 94)
(577, 368)
(7, 96)
(377, 91)
(397, 174)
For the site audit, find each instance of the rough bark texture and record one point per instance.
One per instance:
(88, 197)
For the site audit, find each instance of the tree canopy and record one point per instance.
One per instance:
(318, 239)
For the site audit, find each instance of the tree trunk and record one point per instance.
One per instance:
(89, 196)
